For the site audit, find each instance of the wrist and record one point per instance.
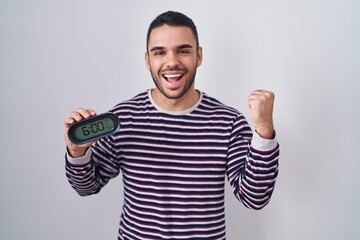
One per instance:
(266, 131)
(76, 153)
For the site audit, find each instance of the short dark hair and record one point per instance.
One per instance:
(172, 18)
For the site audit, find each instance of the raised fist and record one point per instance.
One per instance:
(261, 104)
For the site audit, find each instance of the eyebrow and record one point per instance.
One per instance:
(156, 48)
(182, 46)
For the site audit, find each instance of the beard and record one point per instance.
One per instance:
(184, 90)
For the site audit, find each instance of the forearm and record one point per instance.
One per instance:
(81, 174)
(88, 174)
(260, 172)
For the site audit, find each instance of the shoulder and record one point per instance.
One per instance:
(137, 102)
(212, 104)
(215, 110)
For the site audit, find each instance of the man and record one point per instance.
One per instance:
(176, 145)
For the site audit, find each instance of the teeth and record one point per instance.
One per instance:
(172, 75)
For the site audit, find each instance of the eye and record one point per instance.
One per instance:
(183, 51)
(159, 53)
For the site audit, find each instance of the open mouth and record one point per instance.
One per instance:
(172, 77)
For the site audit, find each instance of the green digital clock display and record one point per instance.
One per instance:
(94, 128)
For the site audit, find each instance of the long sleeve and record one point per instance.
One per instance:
(88, 174)
(252, 166)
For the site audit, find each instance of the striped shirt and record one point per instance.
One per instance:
(174, 166)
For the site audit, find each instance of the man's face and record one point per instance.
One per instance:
(172, 59)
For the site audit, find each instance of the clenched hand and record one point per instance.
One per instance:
(261, 104)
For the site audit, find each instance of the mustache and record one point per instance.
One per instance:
(175, 68)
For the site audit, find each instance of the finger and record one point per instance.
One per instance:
(92, 112)
(261, 96)
(73, 117)
(68, 122)
(253, 101)
(262, 93)
(84, 113)
(79, 115)
(254, 95)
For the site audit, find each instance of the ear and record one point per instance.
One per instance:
(199, 56)
(147, 60)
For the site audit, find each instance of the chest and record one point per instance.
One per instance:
(174, 147)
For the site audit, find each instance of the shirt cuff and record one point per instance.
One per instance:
(80, 160)
(263, 144)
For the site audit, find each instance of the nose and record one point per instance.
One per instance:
(172, 60)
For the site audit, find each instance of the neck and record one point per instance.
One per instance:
(189, 99)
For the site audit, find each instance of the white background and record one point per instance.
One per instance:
(58, 55)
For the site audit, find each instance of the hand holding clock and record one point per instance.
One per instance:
(76, 116)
